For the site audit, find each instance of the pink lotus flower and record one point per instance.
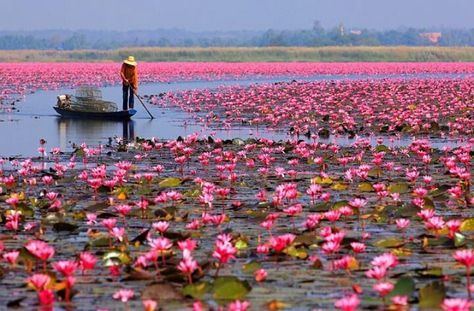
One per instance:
(187, 266)
(46, 297)
(456, 304)
(376, 273)
(161, 226)
(224, 250)
(123, 209)
(357, 203)
(65, 267)
(11, 257)
(465, 257)
(260, 275)
(386, 260)
(238, 306)
(402, 223)
(40, 249)
(279, 243)
(87, 261)
(383, 288)
(400, 300)
(358, 247)
(118, 233)
(124, 295)
(109, 223)
(348, 303)
(39, 282)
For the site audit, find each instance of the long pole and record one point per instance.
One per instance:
(141, 101)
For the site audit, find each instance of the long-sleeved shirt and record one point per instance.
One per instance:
(130, 74)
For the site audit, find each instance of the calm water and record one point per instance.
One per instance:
(36, 119)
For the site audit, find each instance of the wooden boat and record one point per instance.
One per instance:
(116, 115)
(88, 104)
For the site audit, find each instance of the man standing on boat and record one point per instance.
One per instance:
(129, 75)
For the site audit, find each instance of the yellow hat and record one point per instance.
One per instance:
(130, 61)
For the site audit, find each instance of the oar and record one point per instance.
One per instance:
(141, 101)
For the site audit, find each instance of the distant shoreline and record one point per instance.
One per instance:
(250, 54)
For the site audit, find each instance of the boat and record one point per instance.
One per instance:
(87, 103)
(114, 115)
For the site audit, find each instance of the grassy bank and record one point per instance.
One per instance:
(270, 54)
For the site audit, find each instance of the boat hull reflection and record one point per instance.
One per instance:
(77, 131)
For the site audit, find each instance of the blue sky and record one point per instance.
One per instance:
(202, 15)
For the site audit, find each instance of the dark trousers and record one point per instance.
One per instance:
(127, 97)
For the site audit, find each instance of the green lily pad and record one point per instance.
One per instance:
(365, 187)
(381, 148)
(339, 204)
(100, 241)
(192, 193)
(113, 257)
(322, 181)
(459, 240)
(429, 203)
(296, 252)
(467, 225)
(390, 243)
(26, 211)
(197, 290)
(433, 272)
(241, 244)
(230, 288)
(251, 267)
(375, 172)
(170, 182)
(432, 295)
(399, 187)
(340, 186)
(404, 286)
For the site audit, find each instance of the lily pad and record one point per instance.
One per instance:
(375, 172)
(197, 290)
(404, 286)
(251, 267)
(340, 186)
(170, 182)
(25, 210)
(296, 252)
(322, 181)
(432, 295)
(113, 257)
(399, 187)
(230, 288)
(459, 240)
(100, 241)
(381, 148)
(365, 187)
(241, 244)
(433, 272)
(390, 243)
(467, 225)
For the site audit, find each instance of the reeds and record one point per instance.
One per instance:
(251, 54)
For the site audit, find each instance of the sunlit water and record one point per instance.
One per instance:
(35, 118)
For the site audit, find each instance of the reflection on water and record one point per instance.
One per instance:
(128, 130)
(69, 130)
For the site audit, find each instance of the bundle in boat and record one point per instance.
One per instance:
(86, 99)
